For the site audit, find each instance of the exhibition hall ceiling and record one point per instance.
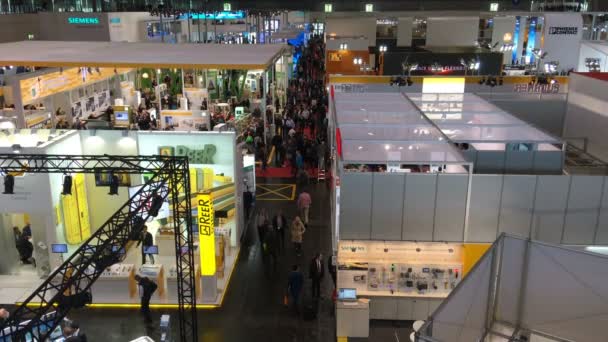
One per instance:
(155, 55)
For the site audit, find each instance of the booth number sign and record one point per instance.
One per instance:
(206, 231)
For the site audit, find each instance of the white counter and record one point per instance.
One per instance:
(352, 318)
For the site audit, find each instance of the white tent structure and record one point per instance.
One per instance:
(523, 290)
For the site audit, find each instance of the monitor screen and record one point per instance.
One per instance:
(121, 116)
(347, 294)
(115, 249)
(151, 250)
(59, 248)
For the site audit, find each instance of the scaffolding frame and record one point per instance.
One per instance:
(68, 285)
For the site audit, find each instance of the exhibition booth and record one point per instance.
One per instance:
(426, 181)
(527, 290)
(125, 85)
(61, 223)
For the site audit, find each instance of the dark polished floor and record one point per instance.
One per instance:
(253, 308)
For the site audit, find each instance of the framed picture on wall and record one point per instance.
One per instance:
(166, 151)
(103, 179)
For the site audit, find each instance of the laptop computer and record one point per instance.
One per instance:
(347, 295)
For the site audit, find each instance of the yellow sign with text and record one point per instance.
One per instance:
(206, 231)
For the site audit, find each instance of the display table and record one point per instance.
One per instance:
(352, 318)
(402, 307)
(115, 285)
(156, 273)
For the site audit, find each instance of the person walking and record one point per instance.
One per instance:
(279, 223)
(316, 273)
(304, 202)
(146, 289)
(261, 220)
(295, 281)
(270, 250)
(297, 234)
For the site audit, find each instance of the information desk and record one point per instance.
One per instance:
(156, 273)
(115, 285)
(352, 318)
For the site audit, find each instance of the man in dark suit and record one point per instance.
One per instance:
(146, 289)
(316, 273)
(147, 241)
(72, 332)
(279, 223)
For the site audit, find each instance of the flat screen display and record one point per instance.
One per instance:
(121, 116)
(59, 248)
(347, 294)
(151, 250)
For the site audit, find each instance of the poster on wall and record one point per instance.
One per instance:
(103, 179)
(77, 109)
(184, 121)
(103, 100)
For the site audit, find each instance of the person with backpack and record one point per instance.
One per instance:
(146, 289)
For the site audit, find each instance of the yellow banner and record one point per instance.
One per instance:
(206, 231)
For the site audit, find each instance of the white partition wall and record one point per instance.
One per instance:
(586, 113)
(404, 31)
(452, 31)
(352, 27)
(526, 288)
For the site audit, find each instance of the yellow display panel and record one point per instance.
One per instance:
(206, 231)
(76, 212)
(443, 85)
(207, 178)
(193, 180)
(472, 253)
(83, 206)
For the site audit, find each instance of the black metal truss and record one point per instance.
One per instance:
(70, 283)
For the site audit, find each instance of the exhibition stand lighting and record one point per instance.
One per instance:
(357, 60)
(551, 67)
(343, 46)
(382, 48)
(593, 64)
(506, 47)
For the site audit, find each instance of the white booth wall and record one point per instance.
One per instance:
(362, 26)
(566, 209)
(452, 31)
(106, 142)
(501, 27)
(597, 50)
(404, 31)
(586, 113)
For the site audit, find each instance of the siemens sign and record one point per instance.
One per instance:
(83, 21)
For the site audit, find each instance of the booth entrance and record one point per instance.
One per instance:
(17, 269)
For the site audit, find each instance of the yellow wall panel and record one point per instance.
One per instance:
(472, 253)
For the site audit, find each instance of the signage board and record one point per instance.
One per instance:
(563, 30)
(224, 15)
(83, 21)
(536, 88)
(206, 231)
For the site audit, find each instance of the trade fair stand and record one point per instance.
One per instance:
(114, 85)
(60, 223)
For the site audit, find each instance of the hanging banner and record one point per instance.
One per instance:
(562, 39)
(206, 231)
